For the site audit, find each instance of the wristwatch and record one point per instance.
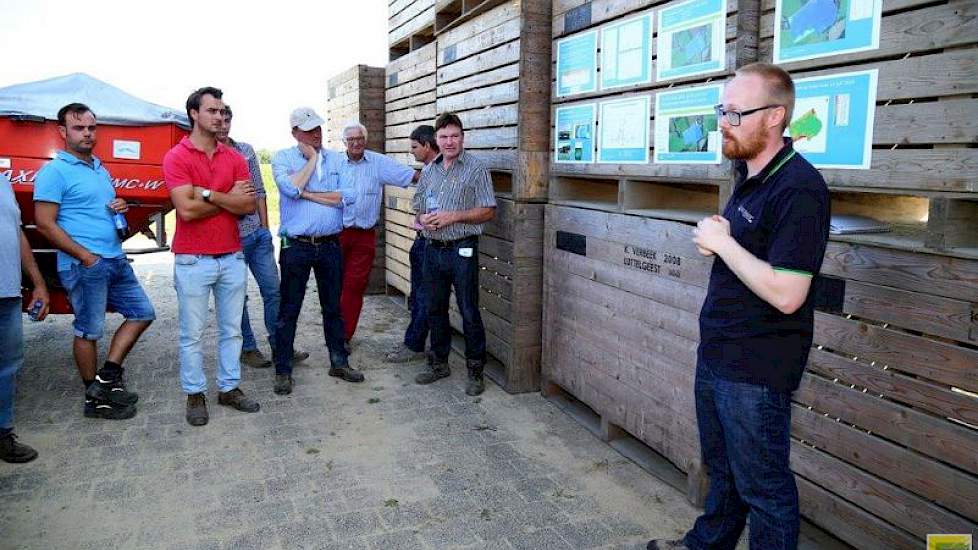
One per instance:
(206, 194)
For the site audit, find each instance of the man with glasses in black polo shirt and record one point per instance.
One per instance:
(756, 323)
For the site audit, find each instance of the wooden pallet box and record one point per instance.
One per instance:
(409, 100)
(411, 25)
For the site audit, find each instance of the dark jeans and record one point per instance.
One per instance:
(417, 330)
(744, 439)
(444, 268)
(326, 262)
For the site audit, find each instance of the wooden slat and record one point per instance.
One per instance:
(913, 310)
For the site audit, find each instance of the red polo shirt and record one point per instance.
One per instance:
(185, 164)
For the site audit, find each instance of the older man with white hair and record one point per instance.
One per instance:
(367, 172)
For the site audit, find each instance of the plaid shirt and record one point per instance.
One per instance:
(249, 223)
(463, 186)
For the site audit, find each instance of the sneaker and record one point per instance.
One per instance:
(197, 409)
(403, 354)
(107, 410)
(283, 384)
(347, 373)
(13, 452)
(255, 359)
(299, 356)
(662, 544)
(113, 391)
(236, 400)
(433, 372)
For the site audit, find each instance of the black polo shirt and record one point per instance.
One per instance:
(781, 215)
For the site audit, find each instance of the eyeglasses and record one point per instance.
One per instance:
(733, 117)
(355, 139)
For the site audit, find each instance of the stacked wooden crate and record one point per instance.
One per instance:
(357, 94)
(410, 25)
(885, 424)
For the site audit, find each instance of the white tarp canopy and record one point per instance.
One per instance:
(110, 104)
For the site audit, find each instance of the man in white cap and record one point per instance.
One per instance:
(312, 204)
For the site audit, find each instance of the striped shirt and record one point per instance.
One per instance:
(368, 176)
(301, 216)
(463, 186)
(249, 223)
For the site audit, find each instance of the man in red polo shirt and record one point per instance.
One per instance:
(211, 188)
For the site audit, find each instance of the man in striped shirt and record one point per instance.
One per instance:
(455, 199)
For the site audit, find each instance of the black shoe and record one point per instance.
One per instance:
(236, 400)
(476, 384)
(13, 452)
(434, 371)
(197, 409)
(347, 373)
(107, 410)
(662, 544)
(113, 391)
(283, 384)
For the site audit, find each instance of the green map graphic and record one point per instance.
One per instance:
(691, 46)
(688, 134)
(813, 21)
(807, 126)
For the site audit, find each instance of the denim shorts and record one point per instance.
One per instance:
(109, 284)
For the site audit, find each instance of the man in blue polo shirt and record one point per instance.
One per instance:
(74, 202)
(756, 323)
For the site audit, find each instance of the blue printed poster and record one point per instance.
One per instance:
(574, 133)
(686, 130)
(623, 131)
(626, 52)
(832, 125)
(807, 29)
(577, 64)
(692, 39)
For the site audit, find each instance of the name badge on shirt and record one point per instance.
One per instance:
(745, 214)
(465, 252)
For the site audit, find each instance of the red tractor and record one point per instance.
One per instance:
(133, 136)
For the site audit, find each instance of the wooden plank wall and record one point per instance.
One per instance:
(409, 99)
(358, 94)
(885, 424)
(410, 25)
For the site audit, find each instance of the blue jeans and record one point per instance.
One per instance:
(326, 261)
(259, 254)
(11, 358)
(108, 284)
(744, 439)
(196, 276)
(417, 330)
(444, 268)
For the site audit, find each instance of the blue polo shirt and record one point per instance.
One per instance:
(83, 192)
(780, 215)
(305, 217)
(367, 177)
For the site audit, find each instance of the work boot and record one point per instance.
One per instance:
(236, 400)
(197, 409)
(476, 384)
(113, 391)
(434, 371)
(403, 354)
(346, 372)
(283, 384)
(299, 356)
(255, 359)
(662, 544)
(107, 410)
(13, 452)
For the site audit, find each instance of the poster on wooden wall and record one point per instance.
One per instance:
(686, 130)
(626, 52)
(809, 29)
(623, 131)
(832, 124)
(577, 64)
(691, 39)
(574, 133)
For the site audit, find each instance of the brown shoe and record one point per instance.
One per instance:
(236, 400)
(197, 409)
(347, 373)
(255, 359)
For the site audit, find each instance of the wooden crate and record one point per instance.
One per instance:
(410, 25)
(493, 67)
(410, 100)
(356, 94)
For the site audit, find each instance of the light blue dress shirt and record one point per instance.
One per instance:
(368, 176)
(305, 217)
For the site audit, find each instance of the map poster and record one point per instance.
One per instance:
(574, 133)
(832, 125)
(577, 64)
(626, 52)
(807, 29)
(623, 131)
(692, 39)
(686, 130)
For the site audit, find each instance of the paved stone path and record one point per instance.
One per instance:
(382, 465)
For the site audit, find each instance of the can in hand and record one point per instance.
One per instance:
(35, 310)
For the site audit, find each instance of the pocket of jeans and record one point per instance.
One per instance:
(186, 259)
(98, 263)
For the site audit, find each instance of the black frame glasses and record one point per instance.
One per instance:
(733, 116)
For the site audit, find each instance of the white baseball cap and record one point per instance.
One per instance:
(305, 118)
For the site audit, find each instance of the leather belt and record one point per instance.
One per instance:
(315, 239)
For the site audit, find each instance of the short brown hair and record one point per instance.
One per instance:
(780, 87)
(448, 119)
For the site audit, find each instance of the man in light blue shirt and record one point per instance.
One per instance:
(312, 201)
(367, 173)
